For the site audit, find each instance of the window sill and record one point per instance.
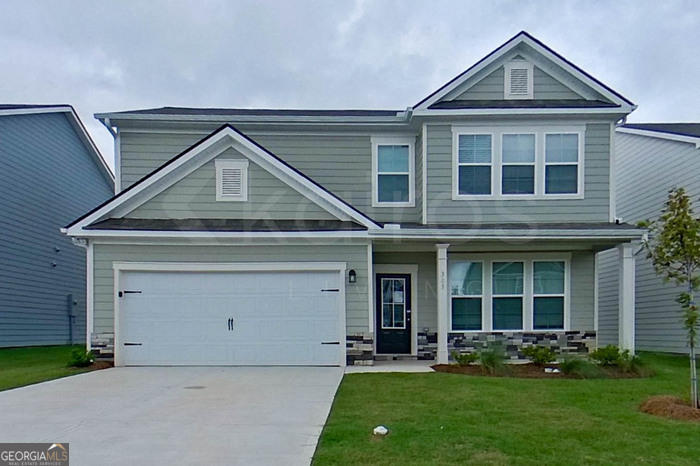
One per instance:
(394, 204)
(517, 197)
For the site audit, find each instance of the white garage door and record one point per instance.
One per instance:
(230, 318)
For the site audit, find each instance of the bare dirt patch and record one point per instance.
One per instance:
(529, 371)
(670, 407)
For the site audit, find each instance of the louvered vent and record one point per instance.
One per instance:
(231, 181)
(519, 81)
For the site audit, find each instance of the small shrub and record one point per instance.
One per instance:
(464, 359)
(540, 355)
(80, 358)
(492, 359)
(580, 367)
(607, 356)
(633, 364)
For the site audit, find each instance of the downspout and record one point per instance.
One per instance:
(87, 245)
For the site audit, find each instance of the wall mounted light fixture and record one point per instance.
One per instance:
(352, 276)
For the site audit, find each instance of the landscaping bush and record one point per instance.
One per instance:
(633, 364)
(464, 359)
(492, 359)
(540, 355)
(607, 356)
(80, 358)
(580, 367)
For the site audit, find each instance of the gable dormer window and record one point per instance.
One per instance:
(518, 80)
(232, 180)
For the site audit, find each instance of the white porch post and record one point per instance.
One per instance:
(626, 296)
(442, 303)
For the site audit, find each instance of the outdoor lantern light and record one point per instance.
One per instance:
(352, 276)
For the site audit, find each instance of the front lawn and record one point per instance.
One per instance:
(25, 366)
(437, 418)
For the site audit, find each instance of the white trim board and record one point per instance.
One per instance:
(412, 270)
(199, 154)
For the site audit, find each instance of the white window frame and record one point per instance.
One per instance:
(456, 164)
(579, 164)
(221, 165)
(547, 295)
(497, 133)
(483, 285)
(409, 141)
(519, 65)
(532, 164)
(528, 286)
(522, 296)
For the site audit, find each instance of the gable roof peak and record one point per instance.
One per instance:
(524, 37)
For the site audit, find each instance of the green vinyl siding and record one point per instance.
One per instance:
(354, 255)
(594, 207)
(491, 87)
(195, 197)
(340, 163)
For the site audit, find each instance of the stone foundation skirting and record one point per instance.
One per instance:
(102, 345)
(427, 346)
(359, 349)
(571, 342)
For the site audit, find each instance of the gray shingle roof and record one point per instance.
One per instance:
(258, 112)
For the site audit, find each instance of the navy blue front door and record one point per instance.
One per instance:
(393, 328)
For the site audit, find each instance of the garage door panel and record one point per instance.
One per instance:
(279, 318)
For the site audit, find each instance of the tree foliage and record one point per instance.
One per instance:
(673, 245)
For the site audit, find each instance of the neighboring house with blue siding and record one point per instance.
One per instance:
(50, 172)
(333, 237)
(650, 160)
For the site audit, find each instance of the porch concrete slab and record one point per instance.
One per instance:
(177, 415)
(392, 366)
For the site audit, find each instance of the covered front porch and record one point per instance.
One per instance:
(430, 298)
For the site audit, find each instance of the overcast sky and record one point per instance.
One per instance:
(109, 56)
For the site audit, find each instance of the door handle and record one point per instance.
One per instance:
(132, 344)
(330, 342)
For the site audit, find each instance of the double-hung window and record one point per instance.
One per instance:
(474, 157)
(466, 288)
(561, 163)
(393, 167)
(518, 164)
(505, 293)
(508, 290)
(548, 295)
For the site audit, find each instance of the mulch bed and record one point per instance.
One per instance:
(97, 365)
(670, 407)
(527, 371)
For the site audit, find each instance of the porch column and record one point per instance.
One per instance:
(442, 303)
(626, 296)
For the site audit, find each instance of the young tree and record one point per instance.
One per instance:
(673, 245)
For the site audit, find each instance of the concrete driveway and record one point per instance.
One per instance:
(176, 415)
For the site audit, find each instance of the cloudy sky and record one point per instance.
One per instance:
(108, 56)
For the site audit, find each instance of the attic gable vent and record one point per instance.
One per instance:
(231, 180)
(518, 83)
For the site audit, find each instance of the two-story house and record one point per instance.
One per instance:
(327, 237)
(50, 172)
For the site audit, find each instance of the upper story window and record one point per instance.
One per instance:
(517, 163)
(518, 80)
(231, 180)
(393, 168)
(474, 157)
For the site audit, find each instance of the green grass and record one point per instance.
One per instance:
(437, 418)
(25, 366)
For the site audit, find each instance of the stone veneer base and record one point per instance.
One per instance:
(563, 342)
